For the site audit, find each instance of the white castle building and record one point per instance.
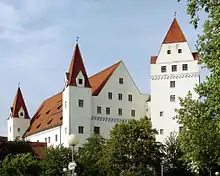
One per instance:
(95, 104)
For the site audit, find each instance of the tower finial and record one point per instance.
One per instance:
(77, 39)
(174, 14)
(18, 84)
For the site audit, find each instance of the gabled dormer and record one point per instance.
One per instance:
(19, 109)
(76, 75)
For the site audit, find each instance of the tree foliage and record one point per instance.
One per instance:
(20, 164)
(55, 160)
(132, 150)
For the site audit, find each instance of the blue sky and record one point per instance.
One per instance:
(37, 39)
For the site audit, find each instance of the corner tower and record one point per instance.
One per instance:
(77, 99)
(174, 72)
(18, 120)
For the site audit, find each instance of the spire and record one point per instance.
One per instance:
(175, 34)
(18, 104)
(76, 66)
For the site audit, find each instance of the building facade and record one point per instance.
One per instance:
(95, 104)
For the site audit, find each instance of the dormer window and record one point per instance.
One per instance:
(121, 80)
(80, 81)
(21, 114)
(168, 51)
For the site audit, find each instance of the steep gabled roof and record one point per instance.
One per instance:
(174, 34)
(48, 115)
(76, 66)
(99, 80)
(18, 104)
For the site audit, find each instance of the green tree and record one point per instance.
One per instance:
(89, 155)
(20, 164)
(132, 150)
(173, 163)
(200, 138)
(55, 160)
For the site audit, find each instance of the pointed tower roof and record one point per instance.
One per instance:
(18, 104)
(76, 66)
(175, 34)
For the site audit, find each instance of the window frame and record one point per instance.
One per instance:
(80, 81)
(161, 113)
(120, 112)
(80, 129)
(120, 96)
(110, 95)
(108, 109)
(99, 109)
(130, 97)
(174, 68)
(133, 113)
(180, 51)
(121, 80)
(163, 69)
(172, 84)
(80, 103)
(96, 130)
(172, 98)
(161, 131)
(185, 67)
(169, 51)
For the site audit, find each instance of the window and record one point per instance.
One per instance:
(172, 98)
(179, 50)
(168, 51)
(56, 137)
(80, 103)
(65, 130)
(161, 113)
(185, 67)
(97, 130)
(120, 96)
(163, 69)
(172, 84)
(110, 95)
(119, 111)
(129, 97)
(21, 113)
(37, 140)
(80, 129)
(108, 110)
(10, 129)
(19, 129)
(133, 113)
(80, 81)
(161, 131)
(174, 68)
(65, 104)
(180, 129)
(99, 109)
(48, 139)
(121, 80)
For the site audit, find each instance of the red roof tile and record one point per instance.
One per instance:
(99, 80)
(18, 104)
(76, 66)
(195, 55)
(175, 34)
(153, 59)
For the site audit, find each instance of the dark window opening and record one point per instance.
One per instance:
(163, 69)
(80, 129)
(97, 130)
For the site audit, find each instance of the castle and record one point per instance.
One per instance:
(95, 104)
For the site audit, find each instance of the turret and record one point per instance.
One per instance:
(19, 119)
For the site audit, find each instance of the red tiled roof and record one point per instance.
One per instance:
(38, 148)
(76, 66)
(195, 55)
(99, 80)
(153, 59)
(18, 104)
(48, 115)
(175, 34)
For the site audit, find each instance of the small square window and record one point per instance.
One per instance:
(133, 113)
(80, 81)
(19, 129)
(119, 111)
(121, 81)
(21, 113)
(120, 96)
(185, 67)
(48, 139)
(80, 103)
(172, 98)
(161, 131)
(97, 130)
(163, 69)
(129, 97)
(110, 95)
(179, 50)
(161, 113)
(108, 110)
(80, 129)
(174, 68)
(99, 109)
(168, 51)
(172, 84)
(56, 137)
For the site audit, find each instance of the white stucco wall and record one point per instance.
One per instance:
(160, 86)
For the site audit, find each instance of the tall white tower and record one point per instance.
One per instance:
(77, 100)
(18, 120)
(174, 72)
